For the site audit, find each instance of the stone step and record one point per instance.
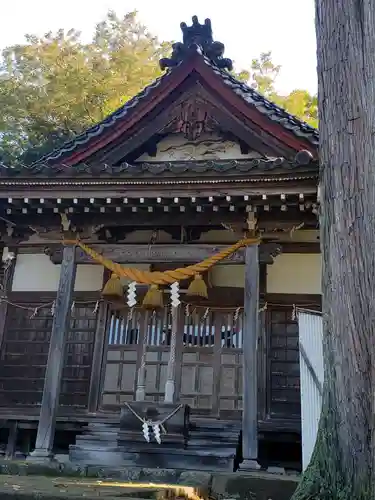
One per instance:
(207, 422)
(199, 444)
(100, 436)
(184, 461)
(96, 457)
(95, 446)
(103, 428)
(214, 434)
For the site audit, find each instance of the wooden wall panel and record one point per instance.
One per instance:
(24, 354)
(78, 356)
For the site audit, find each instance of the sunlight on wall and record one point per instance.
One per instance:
(295, 273)
(36, 273)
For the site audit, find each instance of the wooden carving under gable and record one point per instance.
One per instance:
(194, 135)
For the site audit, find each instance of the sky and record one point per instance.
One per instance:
(285, 27)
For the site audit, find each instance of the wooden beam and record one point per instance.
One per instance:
(154, 187)
(250, 346)
(178, 253)
(56, 355)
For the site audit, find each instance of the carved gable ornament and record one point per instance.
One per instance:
(197, 37)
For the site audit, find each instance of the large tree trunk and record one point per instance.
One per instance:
(342, 465)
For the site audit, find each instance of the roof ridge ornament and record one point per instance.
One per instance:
(197, 38)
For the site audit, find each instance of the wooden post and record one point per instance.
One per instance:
(52, 381)
(179, 353)
(12, 440)
(7, 285)
(170, 384)
(250, 342)
(140, 393)
(97, 359)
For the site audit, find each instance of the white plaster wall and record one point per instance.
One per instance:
(305, 235)
(208, 147)
(232, 275)
(36, 273)
(295, 273)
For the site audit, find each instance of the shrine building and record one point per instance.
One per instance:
(151, 270)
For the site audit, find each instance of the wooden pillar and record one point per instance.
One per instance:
(140, 393)
(250, 342)
(12, 440)
(97, 358)
(170, 384)
(8, 273)
(179, 353)
(52, 381)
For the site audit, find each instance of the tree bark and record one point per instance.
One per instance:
(342, 466)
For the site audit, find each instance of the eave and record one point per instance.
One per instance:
(168, 171)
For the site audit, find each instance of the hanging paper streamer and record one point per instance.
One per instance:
(132, 294)
(236, 315)
(204, 317)
(157, 432)
(146, 431)
(35, 312)
(175, 294)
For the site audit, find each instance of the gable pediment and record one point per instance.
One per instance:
(195, 111)
(195, 126)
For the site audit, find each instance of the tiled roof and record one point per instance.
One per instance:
(248, 94)
(186, 169)
(105, 124)
(268, 108)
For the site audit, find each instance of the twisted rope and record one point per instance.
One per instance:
(166, 277)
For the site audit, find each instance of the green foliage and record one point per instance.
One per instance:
(264, 74)
(299, 103)
(52, 88)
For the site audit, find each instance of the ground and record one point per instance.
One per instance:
(29, 481)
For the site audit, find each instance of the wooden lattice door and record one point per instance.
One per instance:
(211, 375)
